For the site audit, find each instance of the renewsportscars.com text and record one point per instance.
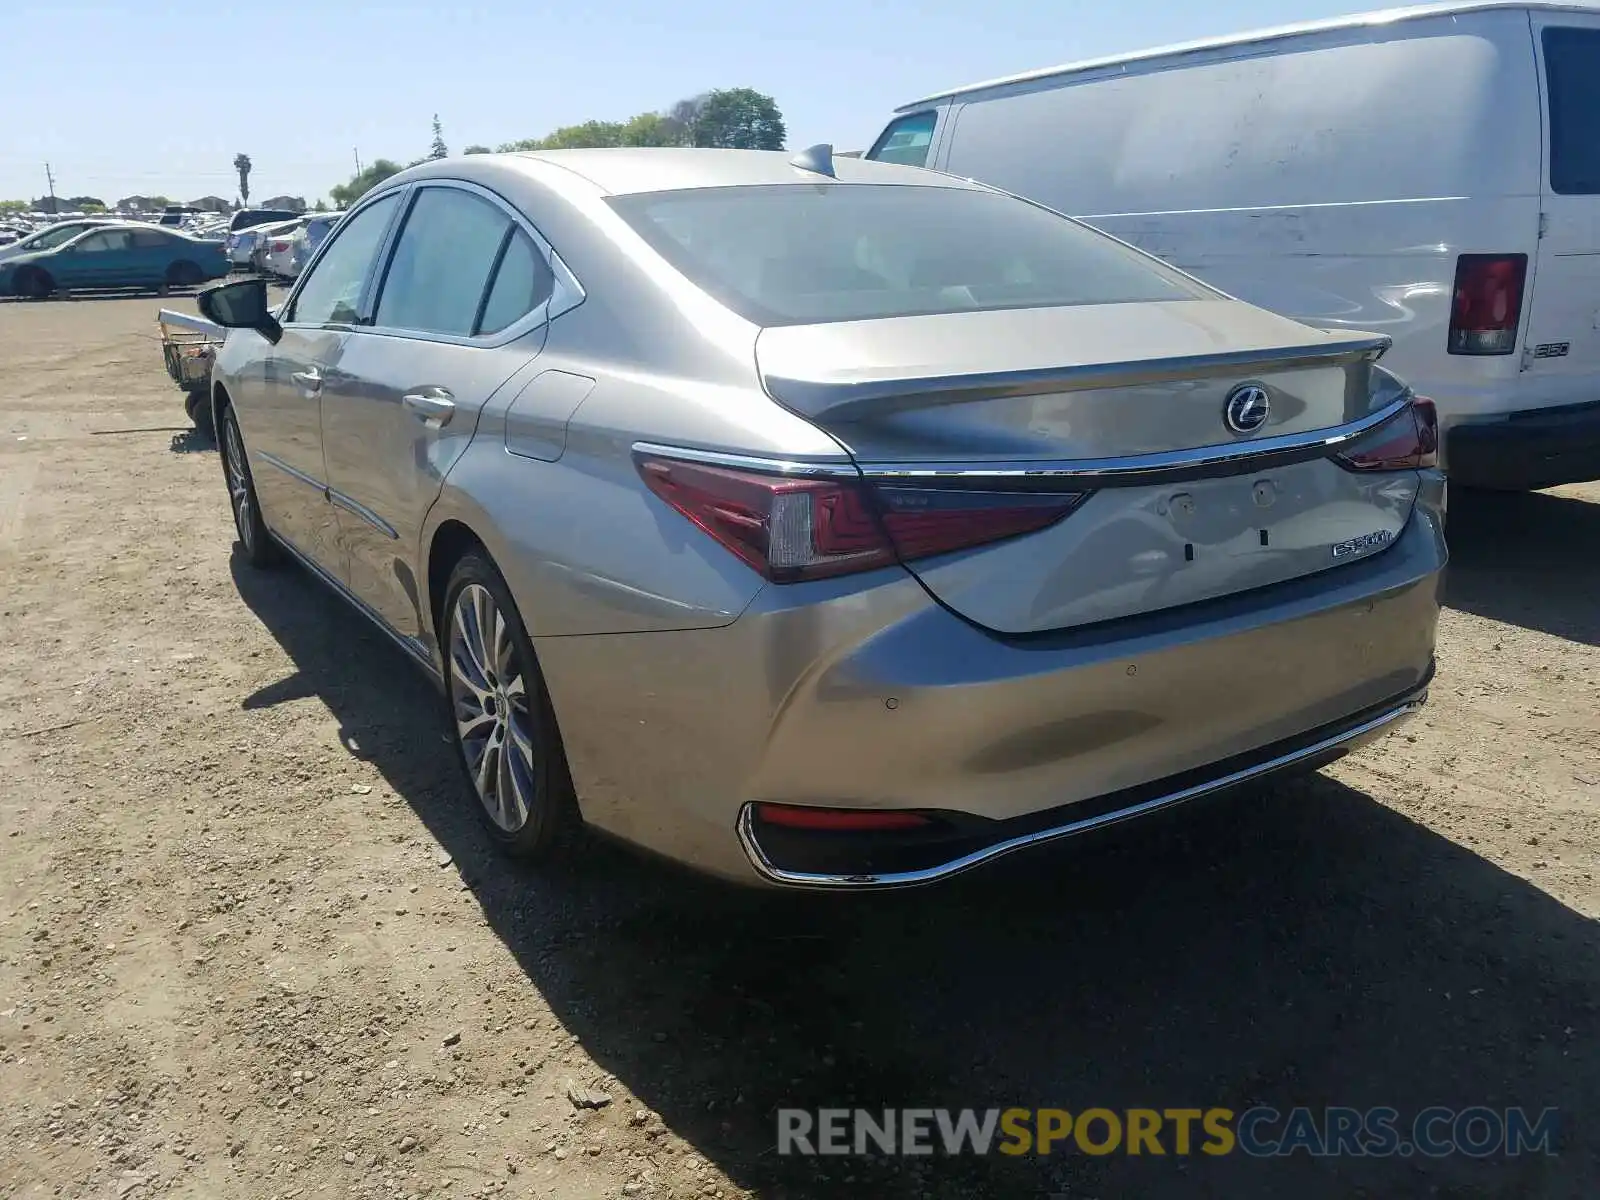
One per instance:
(1478, 1132)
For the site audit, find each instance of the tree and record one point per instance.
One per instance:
(85, 203)
(438, 149)
(241, 164)
(346, 194)
(476, 149)
(13, 206)
(653, 129)
(739, 119)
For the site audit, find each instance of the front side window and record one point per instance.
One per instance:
(794, 254)
(331, 294)
(1572, 69)
(906, 141)
(447, 250)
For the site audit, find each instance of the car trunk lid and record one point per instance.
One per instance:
(1128, 404)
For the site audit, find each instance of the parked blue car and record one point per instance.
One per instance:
(118, 256)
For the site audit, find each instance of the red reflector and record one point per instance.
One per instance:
(279, 247)
(1408, 442)
(792, 527)
(1487, 304)
(793, 816)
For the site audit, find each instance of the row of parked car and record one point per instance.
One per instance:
(42, 256)
(274, 242)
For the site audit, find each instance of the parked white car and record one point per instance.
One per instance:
(1432, 174)
(277, 249)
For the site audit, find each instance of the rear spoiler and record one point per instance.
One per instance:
(843, 398)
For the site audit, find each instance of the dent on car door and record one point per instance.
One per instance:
(281, 411)
(459, 311)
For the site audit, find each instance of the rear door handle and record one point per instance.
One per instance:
(434, 406)
(309, 382)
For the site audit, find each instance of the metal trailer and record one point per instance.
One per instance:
(188, 345)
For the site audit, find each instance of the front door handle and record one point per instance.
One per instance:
(433, 406)
(309, 382)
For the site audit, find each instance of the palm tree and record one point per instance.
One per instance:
(241, 164)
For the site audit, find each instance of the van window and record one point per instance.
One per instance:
(906, 141)
(1572, 67)
(791, 254)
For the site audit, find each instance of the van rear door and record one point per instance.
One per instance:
(1561, 349)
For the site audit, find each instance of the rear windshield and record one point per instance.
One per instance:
(800, 254)
(1572, 65)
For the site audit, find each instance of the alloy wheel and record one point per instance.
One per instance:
(489, 699)
(239, 485)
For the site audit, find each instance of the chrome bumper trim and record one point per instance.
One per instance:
(976, 858)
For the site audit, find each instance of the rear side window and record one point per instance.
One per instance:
(442, 263)
(150, 239)
(522, 283)
(795, 254)
(1572, 69)
(906, 141)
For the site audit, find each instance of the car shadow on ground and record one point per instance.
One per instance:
(78, 294)
(1298, 944)
(1527, 559)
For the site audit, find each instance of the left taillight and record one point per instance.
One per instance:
(797, 527)
(1407, 442)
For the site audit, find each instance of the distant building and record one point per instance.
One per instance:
(141, 204)
(288, 203)
(211, 204)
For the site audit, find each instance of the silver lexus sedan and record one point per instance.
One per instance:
(825, 522)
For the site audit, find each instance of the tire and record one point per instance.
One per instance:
(502, 722)
(260, 550)
(34, 283)
(198, 405)
(185, 274)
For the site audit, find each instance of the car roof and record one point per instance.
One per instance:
(1254, 37)
(652, 169)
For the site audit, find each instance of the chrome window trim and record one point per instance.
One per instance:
(566, 293)
(1137, 468)
(774, 874)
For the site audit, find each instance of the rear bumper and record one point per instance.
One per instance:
(877, 697)
(861, 863)
(1536, 448)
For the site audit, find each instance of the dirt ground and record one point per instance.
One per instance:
(252, 943)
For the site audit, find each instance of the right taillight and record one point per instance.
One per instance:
(795, 527)
(1407, 442)
(1487, 303)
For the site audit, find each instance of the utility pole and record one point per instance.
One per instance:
(51, 180)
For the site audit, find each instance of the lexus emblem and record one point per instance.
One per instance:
(1247, 408)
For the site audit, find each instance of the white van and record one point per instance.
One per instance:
(1429, 173)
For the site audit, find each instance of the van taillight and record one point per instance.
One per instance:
(1487, 304)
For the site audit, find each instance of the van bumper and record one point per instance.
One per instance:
(1537, 448)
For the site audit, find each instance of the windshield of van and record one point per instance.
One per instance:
(792, 254)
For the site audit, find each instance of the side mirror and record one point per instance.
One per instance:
(241, 304)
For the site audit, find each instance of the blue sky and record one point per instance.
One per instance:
(157, 97)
